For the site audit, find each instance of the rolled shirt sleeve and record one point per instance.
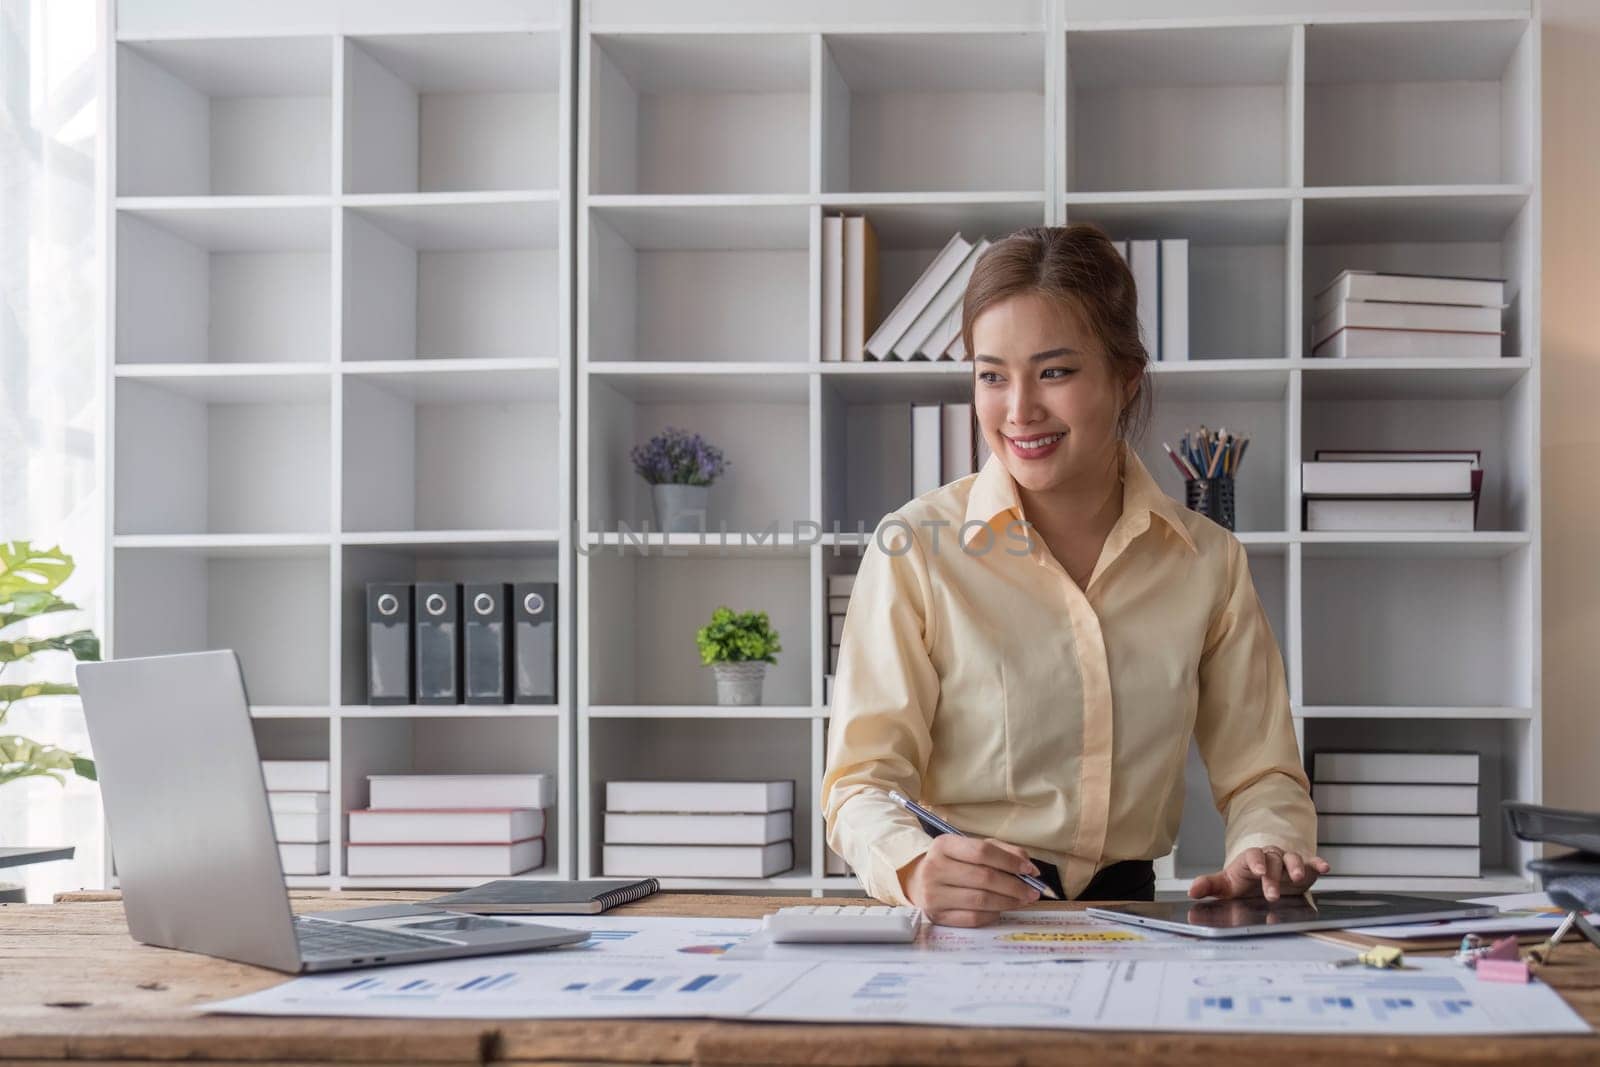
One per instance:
(884, 697)
(1244, 728)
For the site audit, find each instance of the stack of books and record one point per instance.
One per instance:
(925, 324)
(1161, 276)
(945, 445)
(1412, 814)
(449, 825)
(1369, 491)
(297, 794)
(698, 829)
(1369, 314)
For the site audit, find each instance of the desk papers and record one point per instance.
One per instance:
(1031, 970)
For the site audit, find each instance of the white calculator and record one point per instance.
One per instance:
(842, 923)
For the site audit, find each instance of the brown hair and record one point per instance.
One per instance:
(1079, 266)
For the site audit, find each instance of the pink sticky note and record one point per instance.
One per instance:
(1493, 970)
(1505, 949)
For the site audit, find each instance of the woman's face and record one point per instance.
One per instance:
(1044, 392)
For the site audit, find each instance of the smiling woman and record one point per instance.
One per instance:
(1042, 698)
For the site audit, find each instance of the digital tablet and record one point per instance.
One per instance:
(1251, 916)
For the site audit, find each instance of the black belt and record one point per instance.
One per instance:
(1127, 880)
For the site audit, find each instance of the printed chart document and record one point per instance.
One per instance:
(1440, 997)
(528, 986)
(1025, 935)
(1052, 970)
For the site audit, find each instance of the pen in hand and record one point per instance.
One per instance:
(938, 825)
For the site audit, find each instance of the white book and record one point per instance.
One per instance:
(1398, 829)
(701, 796)
(838, 605)
(464, 861)
(303, 827)
(304, 858)
(1175, 299)
(937, 345)
(925, 462)
(1409, 289)
(833, 863)
(947, 298)
(955, 443)
(1144, 260)
(697, 861)
(1397, 478)
(656, 828)
(460, 791)
(1390, 516)
(841, 584)
(295, 775)
(482, 827)
(1446, 318)
(1457, 768)
(1389, 799)
(860, 284)
(836, 629)
(1365, 343)
(1340, 455)
(827, 689)
(922, 290)
(1402, 860)
(958, 348)
(308, 801)
(832, 287)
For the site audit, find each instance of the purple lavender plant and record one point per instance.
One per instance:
(678, 457)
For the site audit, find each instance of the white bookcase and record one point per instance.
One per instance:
(712, 139)
(338, 291)
(364, 325)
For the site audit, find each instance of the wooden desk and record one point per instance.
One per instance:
(73, 985)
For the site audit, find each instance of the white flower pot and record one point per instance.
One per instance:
(680, 508)
(739, 683)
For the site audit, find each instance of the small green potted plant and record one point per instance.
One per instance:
(29, 578)
(680, 467)
(737, 646)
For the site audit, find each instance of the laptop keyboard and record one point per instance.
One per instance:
(321, 939)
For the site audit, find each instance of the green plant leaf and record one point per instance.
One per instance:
(85, 768)
(737, 637)
(10, 694)
(19, 606)
(24, 568)
(22, 758)
(83, 645)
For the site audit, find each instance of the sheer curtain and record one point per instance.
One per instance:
(51, 388)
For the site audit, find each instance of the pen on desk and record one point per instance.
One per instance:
(945, 828)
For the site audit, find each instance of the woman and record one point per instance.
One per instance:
(1028, 650)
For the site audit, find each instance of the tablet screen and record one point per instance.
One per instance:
(1330, 909)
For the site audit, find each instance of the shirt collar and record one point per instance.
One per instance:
(993, 500)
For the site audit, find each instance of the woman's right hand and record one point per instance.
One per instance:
(968, 881)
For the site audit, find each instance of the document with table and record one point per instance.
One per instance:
(1035, 969)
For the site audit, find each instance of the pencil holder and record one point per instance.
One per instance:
(1211, 497)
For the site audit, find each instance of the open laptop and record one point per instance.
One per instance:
(186, 808)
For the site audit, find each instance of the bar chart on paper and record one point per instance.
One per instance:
(549, 985)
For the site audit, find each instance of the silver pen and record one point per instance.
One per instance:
(930, 819)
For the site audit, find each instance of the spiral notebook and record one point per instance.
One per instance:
(514, 896)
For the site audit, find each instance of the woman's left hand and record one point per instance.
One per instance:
(1269, 871)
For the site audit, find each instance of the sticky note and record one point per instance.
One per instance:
(1493, 970)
